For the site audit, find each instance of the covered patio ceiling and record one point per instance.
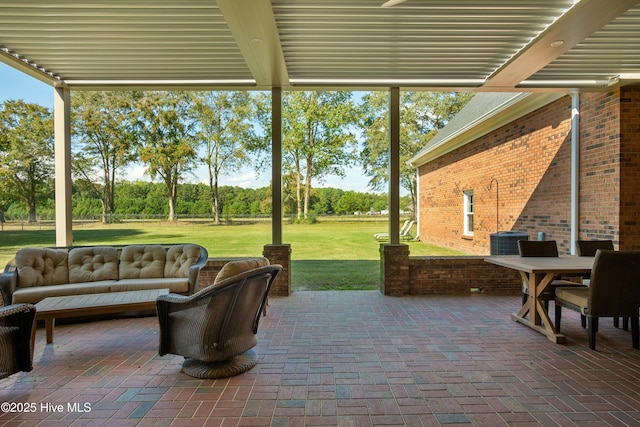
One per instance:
(354, 44)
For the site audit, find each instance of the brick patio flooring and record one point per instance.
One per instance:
(341, 358)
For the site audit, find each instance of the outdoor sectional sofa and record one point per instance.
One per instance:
(38, 273)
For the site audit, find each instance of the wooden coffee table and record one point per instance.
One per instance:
(53, 308)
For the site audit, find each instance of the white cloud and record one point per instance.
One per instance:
(135, 173)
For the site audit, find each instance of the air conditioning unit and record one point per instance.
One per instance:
(506, 242)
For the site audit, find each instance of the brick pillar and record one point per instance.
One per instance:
(394, 265)
(280, 254)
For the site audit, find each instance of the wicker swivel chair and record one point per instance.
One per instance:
(215, 328)
(614, 291)
(17, 334)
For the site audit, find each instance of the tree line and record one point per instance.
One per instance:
(145, 198)
(173, 132)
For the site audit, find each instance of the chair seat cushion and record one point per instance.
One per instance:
(575, 295)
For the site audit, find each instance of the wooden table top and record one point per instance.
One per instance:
(110, 299)
(538, 265)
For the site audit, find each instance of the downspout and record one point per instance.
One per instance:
(575, 169)
(416, 214)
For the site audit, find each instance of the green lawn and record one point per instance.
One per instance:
(326, 255)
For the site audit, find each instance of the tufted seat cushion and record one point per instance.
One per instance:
(179, 259)
(142, 262)
(41, 267)
(93, 264)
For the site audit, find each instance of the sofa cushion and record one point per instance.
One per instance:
(41, 267)
(93, 264)
(34, 295)
(233, 268)
(176, 285)
(179, 259)
(142, 262)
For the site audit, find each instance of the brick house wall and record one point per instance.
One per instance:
(531, 160)
(527, 157)
(629, 223)
(599, 165)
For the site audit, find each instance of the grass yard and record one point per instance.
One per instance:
(326, 255)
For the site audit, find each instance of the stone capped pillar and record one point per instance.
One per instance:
(280, 254)
(394, 266)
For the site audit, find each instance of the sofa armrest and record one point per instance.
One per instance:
(8, 284)
(194, 271)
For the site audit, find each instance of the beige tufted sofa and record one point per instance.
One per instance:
(38, 273)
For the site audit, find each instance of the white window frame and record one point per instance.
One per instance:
(468, 213)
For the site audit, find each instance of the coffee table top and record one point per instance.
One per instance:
(110, 299)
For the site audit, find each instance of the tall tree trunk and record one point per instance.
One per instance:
(299, 193)
(215, 193)
(307, 186)
(104, 200)
(173, 196)
(105, 218)
(216, 202)
(111, 206)
(32, 211)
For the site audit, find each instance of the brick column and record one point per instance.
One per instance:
(394, 266)
(280, 254)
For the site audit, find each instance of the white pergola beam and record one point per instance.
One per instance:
(254, 29)
(582, 20)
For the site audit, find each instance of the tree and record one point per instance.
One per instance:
(105, 139)
(226, 133)
(422, 114)
(318, 139)
(165, 131)
(26, 152)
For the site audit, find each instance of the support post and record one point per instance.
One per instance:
(280, 254)
(62, 136)
(395, 270)
(277, 252)
(276, 166)
(394, 165)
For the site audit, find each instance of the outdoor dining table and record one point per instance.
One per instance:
(537, 273)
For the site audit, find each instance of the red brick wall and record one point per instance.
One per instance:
(459, 276)
(529, 157)
(630, 169)
(599, 165)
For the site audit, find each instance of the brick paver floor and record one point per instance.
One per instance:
(340, 359)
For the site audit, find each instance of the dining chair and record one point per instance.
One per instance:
(542, 248)
(614, 291)
(589, 248)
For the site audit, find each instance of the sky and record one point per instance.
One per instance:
(17, 85)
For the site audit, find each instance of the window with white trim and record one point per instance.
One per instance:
(468, 213)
